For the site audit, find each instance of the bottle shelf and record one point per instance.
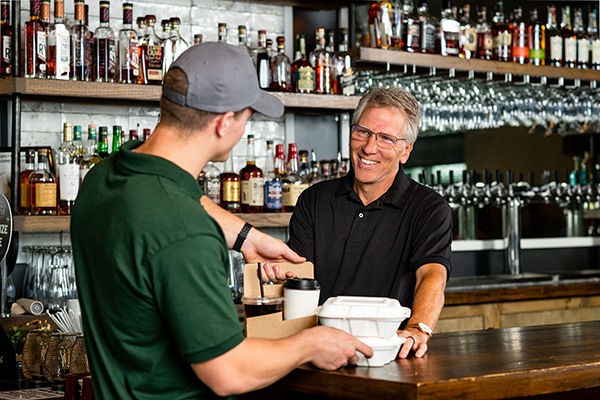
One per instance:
(372, 55)
(62, 223)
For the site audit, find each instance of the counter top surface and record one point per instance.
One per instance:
(488, 364)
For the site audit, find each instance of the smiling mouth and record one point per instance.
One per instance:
(368, 162)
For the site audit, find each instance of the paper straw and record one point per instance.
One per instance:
(262, 291)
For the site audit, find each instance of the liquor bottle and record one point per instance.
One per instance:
(223, 32)
(537, 40)
(429, 26)
(68, 171)
(554, 40)
(58, 45)
(252, 182)
(103, 142)
(303, 74)
(502, 35)
(132, 135)
(147, 133)
(304, 168)
(90, 153)
(117, 138)
(179, 44)
(594, 40)
(412, 29)
(210, 182)
(583, 42)
(384, 18)
(272, 188)
(230, 187)
(293, 184)
(344, 71)
(24, 181)
(520, 38)
(374, 36)
(321, 62)
(81, 56)
(197, 38)
(569, 39)
(166, 46)
(449, 31)
(269, 48)
(243, 40)
(6, 33)
(281, 69)
(129, 62)
(154, 56)
(142, 50)
(261, 60)
(42, 187)
(78, 142)
(468, 34)
(35, 43)
(315, 169)
(106, 47)
(485, 37)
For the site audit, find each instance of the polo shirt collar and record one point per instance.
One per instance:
(129, 161)
(396, 195)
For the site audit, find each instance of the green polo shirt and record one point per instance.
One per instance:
(152, 274)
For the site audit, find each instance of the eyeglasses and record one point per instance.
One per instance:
(361, 134)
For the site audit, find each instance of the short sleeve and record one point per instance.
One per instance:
(302, 232)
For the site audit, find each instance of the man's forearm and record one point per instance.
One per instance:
(230, 224)
(429, 295)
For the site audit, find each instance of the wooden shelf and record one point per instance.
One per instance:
(318, 101)
(62, 223)
(367, 54)
(314, 4)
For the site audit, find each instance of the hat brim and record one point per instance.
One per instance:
(268, 105)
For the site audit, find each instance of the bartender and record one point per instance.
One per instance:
(376, 232)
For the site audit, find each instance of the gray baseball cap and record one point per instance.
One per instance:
(221, 78)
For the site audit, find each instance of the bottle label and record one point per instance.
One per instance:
(427, 35)
(520, 52)
(469, 39)
(347, 81)
(41, 49)
(63, 57)
(132, 53)
(68, 179)
(264, 74)
(231, 191)
(6, 54)
(305, 79)
(488, 41)
(273, 195)
(24, 195)
(324, 79)
(253, 192)
(596, 51)
(503, 39)
(413, 36)
(291, 193)
(556, 48)
(213, 189)
(570, 49)
(45, 195)
(372, 35)
(537, 54)
(583, 51)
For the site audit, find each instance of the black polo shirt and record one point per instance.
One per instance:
(371, 250)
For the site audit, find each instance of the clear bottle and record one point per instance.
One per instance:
(129, 62)
(154, 55)
(35, 43)
(554, 40)
(412, 28)
(6, 37)
(315, 169)
(293, 184)
(142, 50)
(210, 182)
(321, 62)
(243, 40)
(537, 40)
(594, 40)
(117, 139)
(59, 45)
(179, 44)
(166, 45)
(68, 171)
(569, 39)
(468, 34)
(24, 181)
(583, 42)
(303, 74)
(42, 187)
(90, 153)
(485, 36)
(261, 59)
(230, 187)
(281, 78)
(222, 32)
(520, 38)
(273, 186)
(429, 26)
(449, 31)
(344, 70)
(252, 180)
(103, 151)
(384, 18)
(106, 47)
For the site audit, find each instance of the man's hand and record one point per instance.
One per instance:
(260, 247)
(415, 341)
(273, 273)
(332, 348)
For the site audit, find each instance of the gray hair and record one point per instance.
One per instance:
(396, 98)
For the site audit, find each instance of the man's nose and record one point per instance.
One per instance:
(371, 144)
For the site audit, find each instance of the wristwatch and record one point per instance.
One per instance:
(422, 327)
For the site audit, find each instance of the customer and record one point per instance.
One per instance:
(376, 232)
(152, 266)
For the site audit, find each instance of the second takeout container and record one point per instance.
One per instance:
(384, 350)
(364, 316)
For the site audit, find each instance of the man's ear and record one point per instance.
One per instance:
(222, 122)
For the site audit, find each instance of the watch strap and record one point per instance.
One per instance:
(416, 326)
(237, 246)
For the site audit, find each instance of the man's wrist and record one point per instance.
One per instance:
(422, 327)
(237, 246)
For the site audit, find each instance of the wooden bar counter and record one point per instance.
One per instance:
(559, 361)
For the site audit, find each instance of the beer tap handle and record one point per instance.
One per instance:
(451, 177)
(439, 178)
(424, 176)
(531, 177)
(498, 176)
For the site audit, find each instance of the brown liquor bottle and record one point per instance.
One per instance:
(502, 35)
(35, 43)
(42, 187)
(6, 33)
(154, 54)
(554, 40)
(485, 37)
(569, 39)
(106, 47)
(252, 182)
(230, 187)
(303, 74)
(293, 184)
(24, 181)
(520, 39)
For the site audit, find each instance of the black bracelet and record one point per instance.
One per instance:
(241, 237)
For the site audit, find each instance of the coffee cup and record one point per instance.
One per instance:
(257, 306)
(301, 297)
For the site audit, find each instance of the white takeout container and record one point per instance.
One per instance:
(385, 350)
(364, 316)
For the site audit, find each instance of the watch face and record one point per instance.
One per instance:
(425, 328)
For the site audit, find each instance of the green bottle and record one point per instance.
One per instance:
(117, 137)
(103, 142)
